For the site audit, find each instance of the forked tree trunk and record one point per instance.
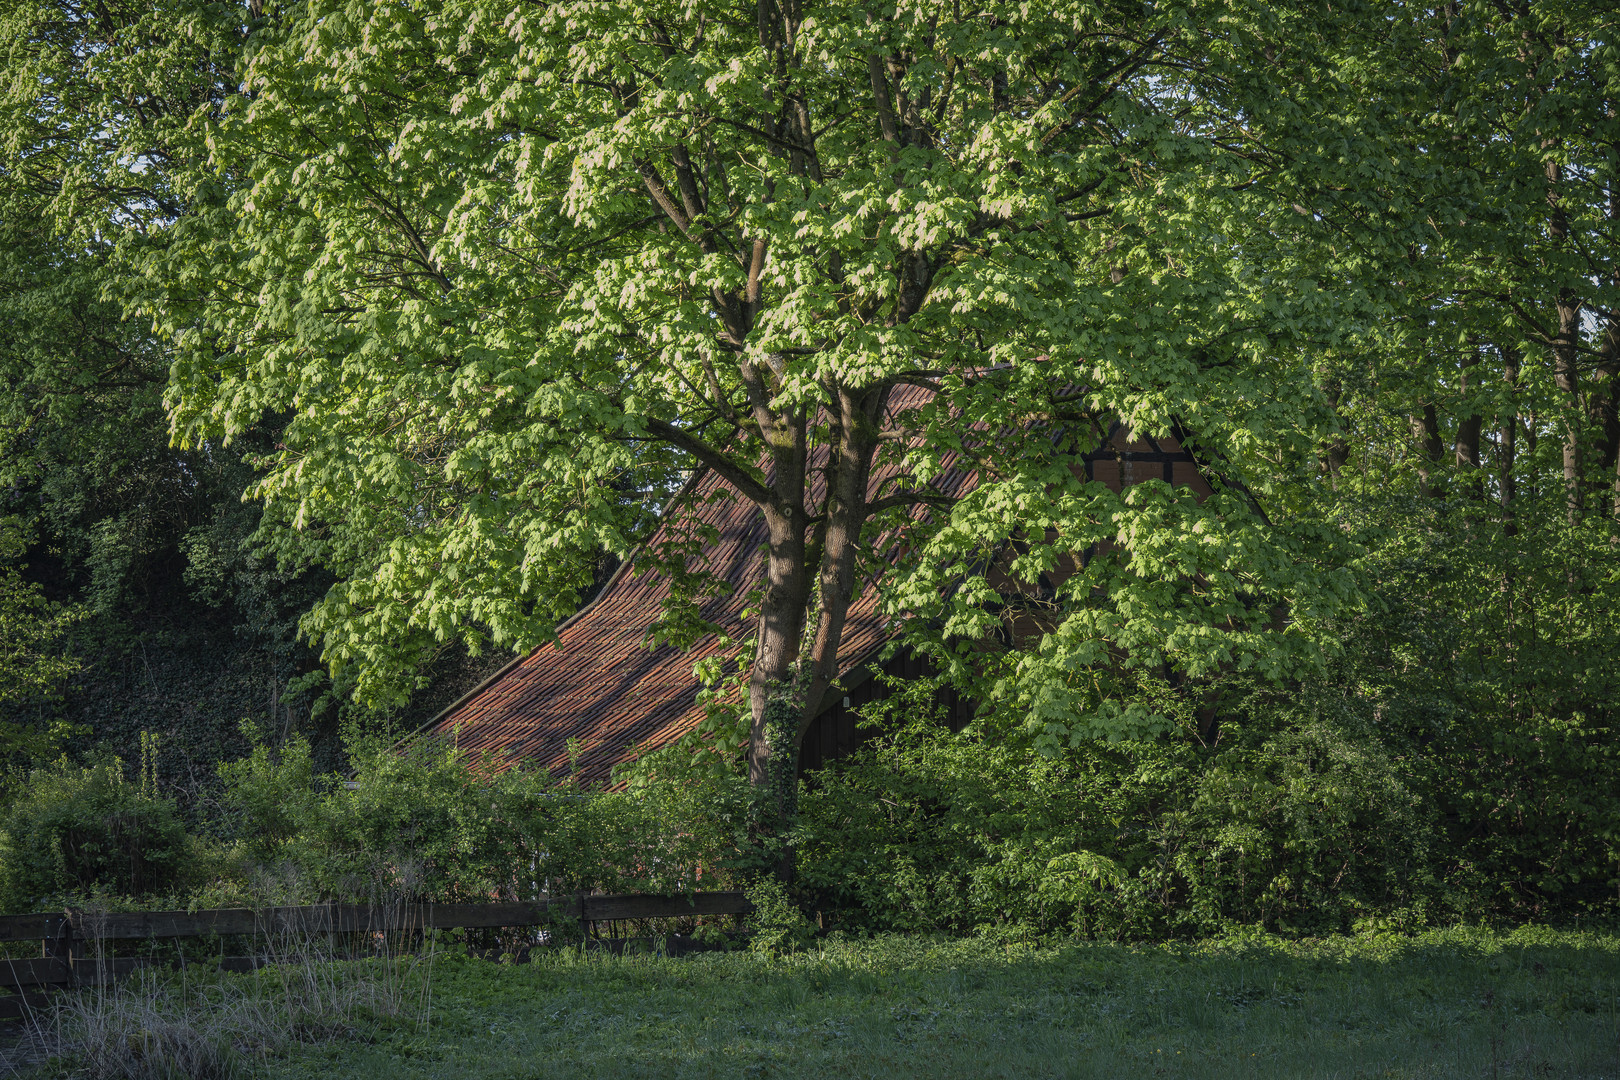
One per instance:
(810, 584)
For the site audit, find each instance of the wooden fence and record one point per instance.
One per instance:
(70, 956)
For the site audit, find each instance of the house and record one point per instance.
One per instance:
(598, 686)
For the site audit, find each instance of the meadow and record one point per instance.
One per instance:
(1459, 1003)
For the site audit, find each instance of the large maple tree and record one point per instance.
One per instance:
(501, 267)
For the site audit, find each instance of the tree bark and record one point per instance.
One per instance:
(782, 605)
(1566, 353)
(847, 509)
(1566, 375)
(1607, 419)
(1508, 435)
(1466, 448)
(1426, 429)
(1609, 365)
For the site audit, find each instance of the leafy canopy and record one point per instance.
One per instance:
(509, 271)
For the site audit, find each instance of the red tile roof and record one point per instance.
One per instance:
(598, 683)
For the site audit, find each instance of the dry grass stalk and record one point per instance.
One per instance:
(202, 1024)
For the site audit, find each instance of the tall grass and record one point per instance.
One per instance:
(201, 1023)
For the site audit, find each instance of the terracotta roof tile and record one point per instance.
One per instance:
(598, 684)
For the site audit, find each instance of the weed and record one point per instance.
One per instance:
(204, 1024)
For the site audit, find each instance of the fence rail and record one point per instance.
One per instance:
(63, 937)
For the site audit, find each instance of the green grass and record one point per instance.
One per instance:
(1533, 1003)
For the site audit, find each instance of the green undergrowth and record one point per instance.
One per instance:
(1461, 1003)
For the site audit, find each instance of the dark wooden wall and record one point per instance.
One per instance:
(835, 733)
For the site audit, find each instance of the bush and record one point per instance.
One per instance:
(1487, 661)
(434, 823)
(270, 795)
(76, 831)
(779, 926)
(1302, 827)
(1455, 759)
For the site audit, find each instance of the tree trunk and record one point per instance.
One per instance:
(1610, 364)
(1615, 505)
(847, 509)
(1426, 429)
(1567, 377)
(1466, 448)
(1509, 437)
(784, 680)
(774, 682)
(1566, 357)
(1607, 418)
(796, 662)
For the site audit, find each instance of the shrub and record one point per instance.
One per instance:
(1487, 661)
(778, 924)
(1300, 827)
(84, 830)
(434, 823)
(270, 796)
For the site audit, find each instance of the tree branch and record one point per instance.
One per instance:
(909, 498)
(666, 202)
(734, 474)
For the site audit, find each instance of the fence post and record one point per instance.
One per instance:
(58, 944)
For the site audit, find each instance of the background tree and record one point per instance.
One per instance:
(31, 665)
(184, 630)
(1474, 457)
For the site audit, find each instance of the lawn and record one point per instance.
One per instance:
(1532, 1003)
